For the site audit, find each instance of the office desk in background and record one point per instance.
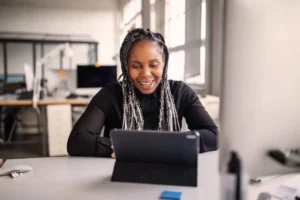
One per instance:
(89, 178)
(45, 102)
(55, 121)
(59, 113)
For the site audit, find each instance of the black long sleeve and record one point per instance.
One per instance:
(85, 139)
(198, 119)
(106, 111)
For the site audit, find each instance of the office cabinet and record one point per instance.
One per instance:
(59, 127)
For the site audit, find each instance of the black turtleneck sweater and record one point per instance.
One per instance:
(106, 110)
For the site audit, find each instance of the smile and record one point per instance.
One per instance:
(146, 82)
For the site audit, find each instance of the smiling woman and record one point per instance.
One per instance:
(146, 63)
(145, 99)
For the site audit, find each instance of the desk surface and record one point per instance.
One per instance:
(45, 102)
(89, 178)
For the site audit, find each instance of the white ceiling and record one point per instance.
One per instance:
(63, 4)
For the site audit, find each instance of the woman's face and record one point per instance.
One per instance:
(145, 65)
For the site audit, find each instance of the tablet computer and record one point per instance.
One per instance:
(155, 146)
(159, 157)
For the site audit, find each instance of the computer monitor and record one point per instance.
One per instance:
(260, 101)
(13, 78)
(91, 79)
(14, 82)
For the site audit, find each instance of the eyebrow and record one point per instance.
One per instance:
(141, 62)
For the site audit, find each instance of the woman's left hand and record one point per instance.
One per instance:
(113, 153)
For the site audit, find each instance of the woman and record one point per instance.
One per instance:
(145, 99)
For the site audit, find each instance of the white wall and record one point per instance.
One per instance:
(99, 24)
(260, 102)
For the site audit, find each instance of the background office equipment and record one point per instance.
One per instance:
(29, 76)
(155, 157)
(13, 82)
(91, 79)
(13, 78)
(66, 51)
(234, 181)
(40, 44)
(260, 107)
(288, 158)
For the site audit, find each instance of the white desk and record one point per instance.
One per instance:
(55, 121)
(89, 178)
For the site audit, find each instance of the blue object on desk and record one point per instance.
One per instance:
(171, 195)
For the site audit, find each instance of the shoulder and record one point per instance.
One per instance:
(112, 90)
(108, 96)
(178, 87)
(182, 91)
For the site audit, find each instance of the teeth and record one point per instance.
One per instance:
(146, 83)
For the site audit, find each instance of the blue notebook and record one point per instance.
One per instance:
(171, 195)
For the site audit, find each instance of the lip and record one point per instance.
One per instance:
(146, 85)
(146, 82)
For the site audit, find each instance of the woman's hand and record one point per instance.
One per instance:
(113, 153)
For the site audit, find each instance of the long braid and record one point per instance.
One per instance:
(132, 111)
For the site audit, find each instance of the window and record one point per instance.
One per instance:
(152, 16)
(175, 37)
(202, 65)
(175, 69)
(175, 22)
(131, 9)
(200, 78)
(203, 20)
(132, 17)
(196, 66)
(177, 31)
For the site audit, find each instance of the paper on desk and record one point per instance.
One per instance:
(293, 182)
(288, 190)
(284, 192)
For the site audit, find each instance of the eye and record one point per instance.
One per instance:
(135, 66)
(153, 65)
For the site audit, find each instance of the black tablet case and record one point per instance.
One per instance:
(153, 157)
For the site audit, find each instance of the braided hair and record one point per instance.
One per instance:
(132, 112)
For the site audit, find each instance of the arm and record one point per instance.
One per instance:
(85, 139)
(198, 119)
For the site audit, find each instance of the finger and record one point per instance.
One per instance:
(113, 155)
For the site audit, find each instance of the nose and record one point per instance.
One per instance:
(146, 72)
